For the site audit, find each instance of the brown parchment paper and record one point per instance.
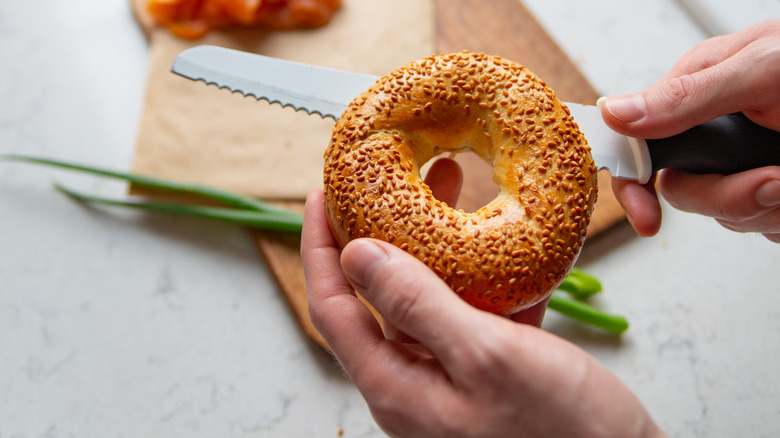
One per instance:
(197, 133)
(191, 132)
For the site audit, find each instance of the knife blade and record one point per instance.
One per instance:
(725, 145)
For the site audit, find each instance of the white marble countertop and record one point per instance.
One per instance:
(120, 324)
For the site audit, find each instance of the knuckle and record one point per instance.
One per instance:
(487, 359)
(729, 225)
(679, 98)
(398, 415)
(767, 29)
(402, 300)
(738, 201)
(391, 419)
(767, 57)
(730, 208)
(732, 211)
(679, 90)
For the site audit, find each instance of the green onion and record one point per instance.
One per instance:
(225, 197)
(255, 213)
(588, 314)
(271, 220)
(579, 284)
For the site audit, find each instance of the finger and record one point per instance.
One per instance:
(319, 251)
(387, 373)
(640, 202)
(344, 322)
(317, 242)
(735, 73)
(734, 85)
(445, 178)
(766, 224)
(709, 52)
(533, 315)
(393, 333)
(411, 297)
(731, 198)
(676, 104)
(773, 237)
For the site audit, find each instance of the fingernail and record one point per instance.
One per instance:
(628, 108)
(768, 194)
(360, 260)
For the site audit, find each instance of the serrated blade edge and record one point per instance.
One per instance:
(316, 90)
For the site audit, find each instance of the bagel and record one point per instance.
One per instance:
(513, 252)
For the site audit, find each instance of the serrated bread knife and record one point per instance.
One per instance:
(725, 145)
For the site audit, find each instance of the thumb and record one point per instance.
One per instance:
(745, 81)
(669, 107)
(407, 294)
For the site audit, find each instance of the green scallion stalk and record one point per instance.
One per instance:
(225, 197)
(588, 314)
(579, 284)
(269, 220)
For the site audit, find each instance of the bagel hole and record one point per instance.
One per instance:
(478, 187)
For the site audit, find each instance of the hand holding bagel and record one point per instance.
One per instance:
(440, 367)
(473, 373)
(444, 368)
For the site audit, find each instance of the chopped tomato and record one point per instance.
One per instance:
(243, 12)
(194, 18)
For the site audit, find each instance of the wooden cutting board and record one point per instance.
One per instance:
(500, 27)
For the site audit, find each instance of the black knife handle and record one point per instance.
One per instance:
(725, 145)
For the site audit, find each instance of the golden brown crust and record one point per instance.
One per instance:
(511, 253)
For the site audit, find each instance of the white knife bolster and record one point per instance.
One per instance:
(644, 166)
